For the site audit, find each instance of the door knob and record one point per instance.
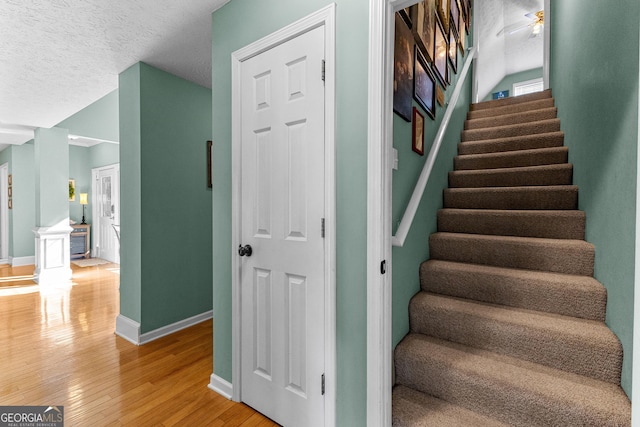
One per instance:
(245, 250)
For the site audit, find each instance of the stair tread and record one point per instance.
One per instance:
(520, 129)
(494, 103)
(481, 381)
(412, 408)
(511, 118)
(508, 159)
(523, 106)
(512, 143)
(534, 241)
(567, 294)
(549, 197)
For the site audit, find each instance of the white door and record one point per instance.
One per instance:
(283, 205)
(106, 212)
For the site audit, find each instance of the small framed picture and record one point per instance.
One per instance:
(454, 20)
(424, 18)
(403, 69)
(424, 85)
(72, 190)
(453, 49)
(418, 132)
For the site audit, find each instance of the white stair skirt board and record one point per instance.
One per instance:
(52, 258)
(221, 386)
(23, 260)
(130, 329)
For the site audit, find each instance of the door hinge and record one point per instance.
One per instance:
(383, 267)
(323, 66)
(322, 228)
(323, 384)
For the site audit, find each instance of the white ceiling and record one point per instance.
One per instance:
(501, 55)
(59, 56)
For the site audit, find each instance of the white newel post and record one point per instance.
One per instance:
(52, 254)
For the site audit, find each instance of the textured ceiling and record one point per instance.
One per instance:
(58, 56)
(501, 55)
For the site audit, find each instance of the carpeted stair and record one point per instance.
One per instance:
(508, 328)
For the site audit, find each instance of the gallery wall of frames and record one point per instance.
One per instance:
(430, 43)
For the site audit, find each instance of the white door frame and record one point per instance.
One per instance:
(4, 213)
(379, 202)
(324, 17)
(94, 204)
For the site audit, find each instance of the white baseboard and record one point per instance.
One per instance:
(221, 386)
(175, 327)
(20, 261)
(130, 329)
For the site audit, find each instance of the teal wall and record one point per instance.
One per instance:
(259, 18)
(51, 154)
(407, 259)
(165, 122)
(507, 82)
(98, 120)
(594, 78)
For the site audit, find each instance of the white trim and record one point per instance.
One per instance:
(379, 167)
(52, 259)
(163, 331)
(546, 53)
(23, 260)
(221, 386)
(130, 329)
(518, 85)
(86, 141)
(324, 17)
(4, 211)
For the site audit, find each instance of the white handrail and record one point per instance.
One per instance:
(412, 207)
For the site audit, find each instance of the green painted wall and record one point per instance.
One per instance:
(594, 78)
(507, 82)
(99, 120)
(51, 154)
(22, 217)
(407, 259)
(166, 271)
(258, 19)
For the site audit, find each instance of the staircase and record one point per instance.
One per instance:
(508, 328)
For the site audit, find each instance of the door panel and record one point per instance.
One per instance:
(283, 282)
(107, 199)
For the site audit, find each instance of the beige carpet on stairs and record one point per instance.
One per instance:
(508, 328)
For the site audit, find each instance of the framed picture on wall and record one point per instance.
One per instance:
(441, 53)
(424, 85)
(454, 20)
(418, 132)
(424, 18)
(403, 69)
(453, 49)
(72, 190)
(442, 6)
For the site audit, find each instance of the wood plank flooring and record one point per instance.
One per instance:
(58, 347)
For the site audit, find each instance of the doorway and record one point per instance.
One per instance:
(284, 223)
(105, 190)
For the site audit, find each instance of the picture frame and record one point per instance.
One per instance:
(442, 6)
(453, 49)
(417, 144)
(424, 18)
(72, 190)
(454, 14)
(209, 160)
(441, 53)
(403, 69)
(406, 15)
(424, 85)
(462, 42)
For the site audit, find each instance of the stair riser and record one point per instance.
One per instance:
(513, 159)
(514, 100)
(513, 177)
(558, 256)
(601, 360)
(544, 126)
(511, 119)
(512, 198)
(526, 142)
(544, 224)
(575, 296)
(511, 109)
(512, 405)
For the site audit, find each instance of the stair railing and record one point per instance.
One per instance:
(418, 191)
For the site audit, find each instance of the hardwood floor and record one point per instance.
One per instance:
(58, 347)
